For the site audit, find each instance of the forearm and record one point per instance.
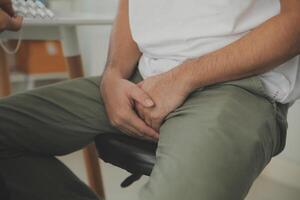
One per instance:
(123, 51)
(262, 49)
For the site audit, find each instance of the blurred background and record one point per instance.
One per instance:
(41, 62)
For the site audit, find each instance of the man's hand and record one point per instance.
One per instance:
(119, 96)
(8, 20)
(167, 93)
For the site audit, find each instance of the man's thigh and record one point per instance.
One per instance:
(55, 120)
(214, 146)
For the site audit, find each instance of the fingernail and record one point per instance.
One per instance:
(149, 102)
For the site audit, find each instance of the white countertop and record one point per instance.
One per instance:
(70, 19)
(48, 29)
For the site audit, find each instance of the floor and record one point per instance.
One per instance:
(263, 189)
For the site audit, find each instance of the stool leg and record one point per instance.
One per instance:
(74, 66)
(72, 54)
(5, 88)
(93, 169)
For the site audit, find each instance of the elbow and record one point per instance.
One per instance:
(290, 15)
(297, 36)
(291, 29)
(291, 25)
(296, 26)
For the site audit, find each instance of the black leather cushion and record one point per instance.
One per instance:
(4, 194)
(134, 155)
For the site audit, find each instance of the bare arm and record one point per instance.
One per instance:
(271, 44)
(118, 93)
(123, 51)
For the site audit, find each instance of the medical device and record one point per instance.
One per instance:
(29, 9)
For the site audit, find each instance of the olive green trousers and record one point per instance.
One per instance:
(211, 148)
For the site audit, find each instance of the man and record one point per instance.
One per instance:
(214, 84)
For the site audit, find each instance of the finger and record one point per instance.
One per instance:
(15, 23)
(148, 120)
(141, 97)
(140, 84)
(139, 110)
(155, 124)
(8, 8)
(138, 134)
(126, 131)
(132, 131)
(134, 121)
(141, 115)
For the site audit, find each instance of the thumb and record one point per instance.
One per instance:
(141, 97)
(15, 23)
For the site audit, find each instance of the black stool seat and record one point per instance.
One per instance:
(134, 155)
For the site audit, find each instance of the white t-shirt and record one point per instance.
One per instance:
(168, 32)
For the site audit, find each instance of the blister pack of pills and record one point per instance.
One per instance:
(32, 9)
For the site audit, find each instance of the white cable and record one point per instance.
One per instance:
(9, 51)
(27, 8)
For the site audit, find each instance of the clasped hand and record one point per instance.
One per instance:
(166, 92)
(140, 109)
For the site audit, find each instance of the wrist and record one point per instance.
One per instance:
(111, 73)
(180, 80)
(184, 79)
(109, 76)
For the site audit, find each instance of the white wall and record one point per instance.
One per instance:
(94, 40)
